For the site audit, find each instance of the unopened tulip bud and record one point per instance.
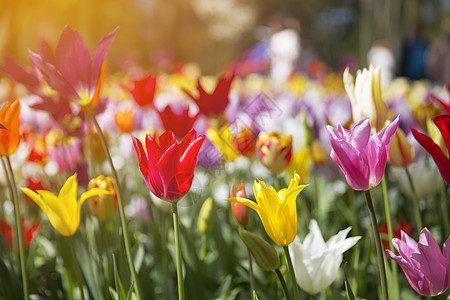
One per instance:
(274, 151)
(264, 254)
(204, 219)
(245, 142)
(240, 211)
(105, 205)
(401, 152)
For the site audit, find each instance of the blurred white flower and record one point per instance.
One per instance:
(316, 263)
(138, 209)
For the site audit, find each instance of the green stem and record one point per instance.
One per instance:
(78, 271)
(120, 202)
(18, 227)
(292, 273)
(250, 273)
(356, 250)
(178, 252)
(445, 210)
(376, 235)
(104, 233)
(416, 200)
(283, 284)
(387, 208)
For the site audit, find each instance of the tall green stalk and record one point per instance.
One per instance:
(416, 200)
(387, 208)
(292, 273)
(380, 256)
(176, 232)
(283, 284)
(120, 202)
(17, 224)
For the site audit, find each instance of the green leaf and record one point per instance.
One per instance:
(113, 293)
(349, 291)
(117, 281)
(254, 295)
(130, 292)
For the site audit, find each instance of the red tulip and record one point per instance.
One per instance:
(144, 90)
(444, 104)
(213, 104)
(180, 122)
(240, 211)
(169, 168)
(442, 161)
(28, 233)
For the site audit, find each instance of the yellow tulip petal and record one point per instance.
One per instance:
(245, 202)
(68, 195)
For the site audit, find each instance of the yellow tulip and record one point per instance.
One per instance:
(223, 139)
(277, 210)
(63, 211)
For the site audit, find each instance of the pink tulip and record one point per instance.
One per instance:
(427, 270)
(361, 156)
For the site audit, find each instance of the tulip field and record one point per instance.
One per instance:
(177, 185)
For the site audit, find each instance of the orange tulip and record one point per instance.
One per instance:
(9, 138)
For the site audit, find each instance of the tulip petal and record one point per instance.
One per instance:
(99, 56)
(443, 123)
(442, 162)
(188, 158)
(169, 168)
(73, 59)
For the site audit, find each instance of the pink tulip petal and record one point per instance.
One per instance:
(73, 59)
(99, 56)
(360, 134)
(51, 75)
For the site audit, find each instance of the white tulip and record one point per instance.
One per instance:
(316, 263)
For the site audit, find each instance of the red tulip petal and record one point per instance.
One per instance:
(166, 140)
(187, 140)
(442, 162)
(153, 150)
(443, 123)
(188, 159)
(168, 167)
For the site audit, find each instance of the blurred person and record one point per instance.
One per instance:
(438, 57)
(413, 58)
(284, 47)
(380, 54)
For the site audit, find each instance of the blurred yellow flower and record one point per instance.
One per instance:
(300, 163)
(277, 210)
(223, 139)
(63, 211)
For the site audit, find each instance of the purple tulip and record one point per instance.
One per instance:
(361, 156)
(427, 270)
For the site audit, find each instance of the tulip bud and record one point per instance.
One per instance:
(103, 206)
(245, 142)
(264, 254)
(401, 152)
(274, 151)
(204, 219)
(240, 211)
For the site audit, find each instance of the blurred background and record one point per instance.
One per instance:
(158, 34)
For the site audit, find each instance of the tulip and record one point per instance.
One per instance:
(442, 161)
(316, 262)
(245, 142)
(396, 231)
(169, 168)
(365, 96)
(223, 139)
(63, 211)
(213, 104)
(277, 210)
(426, 267)
(205, 220)
(240, 211)
(143, 91)
(9, 137)
(274, 151)
(178, 121)
(28, 233)
(401, 152)
(125, 120)
(444, 103)
(361, 156)
(103, 206)
(72, 72)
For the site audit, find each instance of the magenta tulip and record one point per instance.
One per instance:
(361, 156)
(424, 265)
